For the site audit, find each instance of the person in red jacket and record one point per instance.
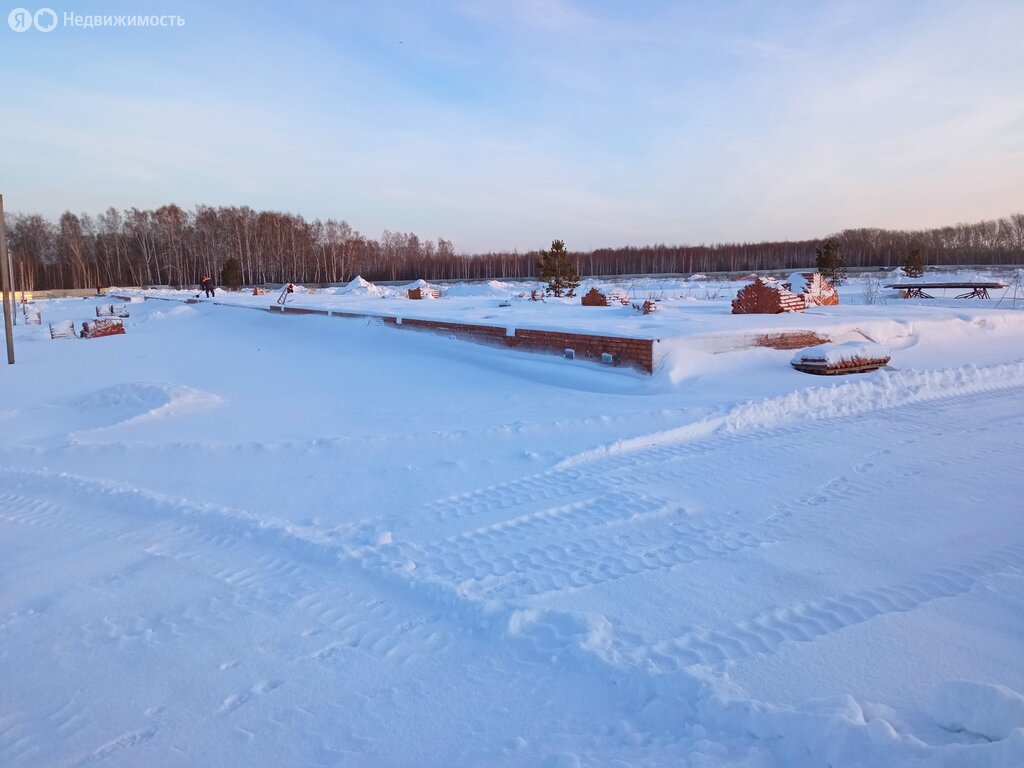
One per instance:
(207, 285)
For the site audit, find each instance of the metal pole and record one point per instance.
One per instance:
(5, 274)
(14, 291)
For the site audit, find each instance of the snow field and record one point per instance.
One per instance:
(236, 539)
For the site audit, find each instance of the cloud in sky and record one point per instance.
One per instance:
(505, 125)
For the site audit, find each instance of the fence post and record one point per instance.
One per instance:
(5, 279)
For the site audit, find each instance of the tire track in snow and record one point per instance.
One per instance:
(905, 395)
(629, 535)
(276, 568)
(808, 621)
(125, 741)
(38, 513)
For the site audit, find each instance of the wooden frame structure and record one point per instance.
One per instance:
(920, 290)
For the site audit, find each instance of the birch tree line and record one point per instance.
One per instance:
(173, 246)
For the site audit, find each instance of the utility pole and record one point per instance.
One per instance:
(5, 279)
(14, 290)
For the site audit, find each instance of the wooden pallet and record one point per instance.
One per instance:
(112, 310)
(821, 367)
(62, 329)
(32, 315)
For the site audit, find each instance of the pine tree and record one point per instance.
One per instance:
(555, 268)
(913, 265)
(231, 274)
(830, 263)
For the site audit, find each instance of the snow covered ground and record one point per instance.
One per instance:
(233, 538)
(692, 312)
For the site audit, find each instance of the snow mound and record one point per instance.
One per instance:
(552, 633)
(134, 403)
(177, 313)
(490, 289)
(360, 287)
(887, 391)
(992, 711)
(425, 290)
(123, 401)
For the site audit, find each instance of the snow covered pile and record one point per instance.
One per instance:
(421, 289)
(991, 711)
(850, 352)
(497, 289)
(360, 287)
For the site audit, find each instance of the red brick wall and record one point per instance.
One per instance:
(301, 311)
(636, 353)
(789, 340)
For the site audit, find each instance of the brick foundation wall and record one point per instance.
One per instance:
(486, 333)
(790, 340)
(636, 353)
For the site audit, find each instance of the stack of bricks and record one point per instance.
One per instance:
(815, 290)
(427, 292)
(594, 298)
(649, 305)
(109, 326)
(766, 296)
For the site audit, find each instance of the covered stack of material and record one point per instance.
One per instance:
(421, 289)
(108, 326)
(832, 359)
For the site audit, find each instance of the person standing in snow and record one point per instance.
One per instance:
(207, 285)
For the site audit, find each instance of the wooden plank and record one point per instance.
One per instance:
(905, 286)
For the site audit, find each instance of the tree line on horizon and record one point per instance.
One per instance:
(174, 246)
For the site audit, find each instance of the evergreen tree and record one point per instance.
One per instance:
(555, 268)
(231, 274)
(913, 265)
(830, 263)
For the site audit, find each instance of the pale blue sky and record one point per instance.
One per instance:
(504, 125)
